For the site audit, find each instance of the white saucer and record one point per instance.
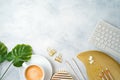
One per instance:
(40, 61)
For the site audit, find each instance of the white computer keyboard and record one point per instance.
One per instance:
(107, 38)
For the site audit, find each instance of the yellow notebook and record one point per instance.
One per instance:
(96, 61)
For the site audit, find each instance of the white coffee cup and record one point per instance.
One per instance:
(33, 72)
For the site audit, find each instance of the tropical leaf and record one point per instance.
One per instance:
(20, 54)
(3, 52)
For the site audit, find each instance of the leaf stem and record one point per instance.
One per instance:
(6, 71)
(0, 67)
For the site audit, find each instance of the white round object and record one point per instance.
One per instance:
(39, 61)
(90, 58)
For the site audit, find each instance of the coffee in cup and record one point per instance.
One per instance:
(34, 72)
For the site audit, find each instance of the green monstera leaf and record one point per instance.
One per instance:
(3, 52)
(20, 54)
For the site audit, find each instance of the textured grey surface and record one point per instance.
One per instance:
(61, 24)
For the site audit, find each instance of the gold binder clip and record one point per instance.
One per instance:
(59, 58)
(51, 51)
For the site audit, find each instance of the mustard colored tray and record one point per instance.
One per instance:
(101, 62)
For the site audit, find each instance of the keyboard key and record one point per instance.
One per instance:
(107, 38)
